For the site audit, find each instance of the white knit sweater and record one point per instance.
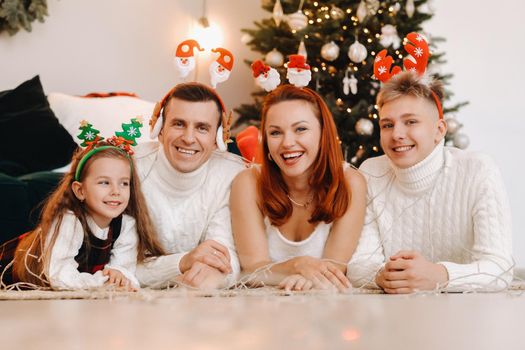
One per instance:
(186, 208)
(63, 269)
(451, 207)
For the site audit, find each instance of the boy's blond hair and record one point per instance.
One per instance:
(410, 83)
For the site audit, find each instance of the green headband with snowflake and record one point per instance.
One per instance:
(123, 140)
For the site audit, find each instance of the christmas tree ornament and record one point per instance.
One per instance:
(298, 72)
(302, 49)
(461, 141)
(353, 84)
(330, 51)
(389, 37)
(246, 38)
(395, 8)
(336, 13)
(274, 58)
(357, 52)
(184, 60)
(410, 8)
(453, 125)
(278, 13)
(349, 83)
(266, 77)
(373, 6)
(364, 127)
(221, 68)
(362, 11)
(297, 20)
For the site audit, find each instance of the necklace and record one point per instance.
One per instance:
(304, 205)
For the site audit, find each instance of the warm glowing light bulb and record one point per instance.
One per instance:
(209, 37)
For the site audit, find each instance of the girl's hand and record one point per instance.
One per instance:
(323, 274)
(118, 279)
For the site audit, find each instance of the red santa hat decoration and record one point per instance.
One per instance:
(419, 52)
(266, 77)
(220, 71)
(298, 72)
(184, 60)
(221, 68)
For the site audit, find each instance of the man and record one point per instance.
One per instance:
(186, 182)
(438, 217)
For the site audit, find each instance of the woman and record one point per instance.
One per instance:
(297, 218)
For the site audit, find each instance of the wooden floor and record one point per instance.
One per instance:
(445, 321)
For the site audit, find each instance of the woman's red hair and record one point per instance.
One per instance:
(331, 194)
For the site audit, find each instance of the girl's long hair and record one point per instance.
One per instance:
(32, 256)
(331, 194)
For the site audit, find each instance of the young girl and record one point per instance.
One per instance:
(93, 228)
(298, 217)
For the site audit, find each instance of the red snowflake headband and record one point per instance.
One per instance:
(298, 73)
(417, 47)
(122, 140)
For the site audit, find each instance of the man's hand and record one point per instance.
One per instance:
(408, 271)
(202, 276)
(118, 279)
(209, 252)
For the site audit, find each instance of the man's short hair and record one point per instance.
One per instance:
(410, 83)
(195, 92)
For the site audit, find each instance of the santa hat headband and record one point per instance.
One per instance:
(122, 141)
(219, 70)
(417, 47)
(298, 73)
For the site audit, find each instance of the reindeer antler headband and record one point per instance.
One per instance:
(122, 140)
(417, 47)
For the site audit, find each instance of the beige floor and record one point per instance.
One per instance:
(454, 321)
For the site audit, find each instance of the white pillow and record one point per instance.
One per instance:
(105, 114)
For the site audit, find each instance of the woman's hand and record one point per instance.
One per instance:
(322, 274)
(295, 282)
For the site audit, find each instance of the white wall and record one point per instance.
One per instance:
(123, 45)
(484, 50)
(102, 45)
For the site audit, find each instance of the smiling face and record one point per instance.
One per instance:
(293, 133)
(189, 132)
(410, 129)
(105, 189)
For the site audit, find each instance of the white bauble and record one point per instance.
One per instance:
(246, 38)
(330, 51)
(357, 52)
(274, 58)
(278, 13)
(297, 20)
(302, 50)
(461, 141)
(453, 125)
(410, 8)
(336, 13)
(364, 126)
(362, 11)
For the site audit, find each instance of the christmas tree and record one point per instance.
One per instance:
(340, 39)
